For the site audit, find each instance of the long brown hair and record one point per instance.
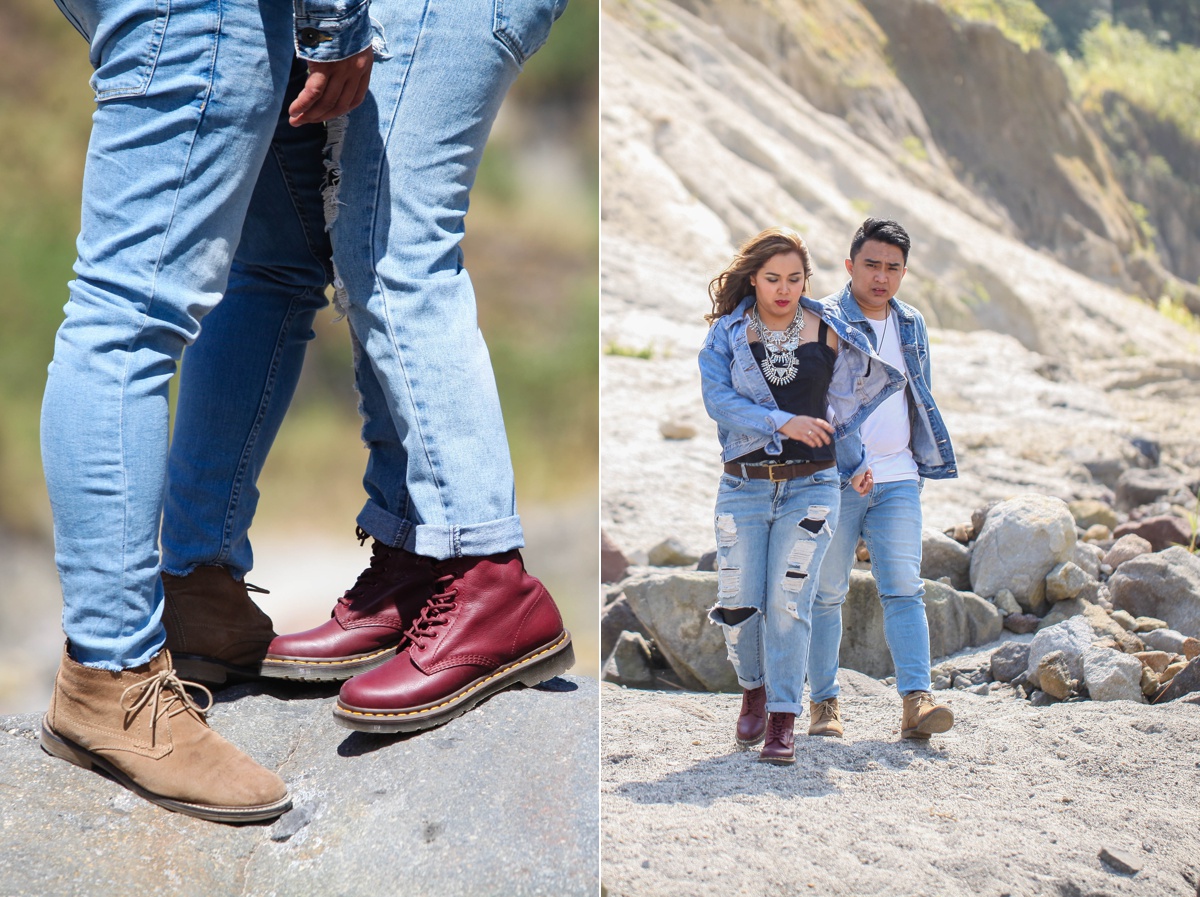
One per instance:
(732, 285)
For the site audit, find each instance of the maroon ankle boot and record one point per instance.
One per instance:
(752, 720)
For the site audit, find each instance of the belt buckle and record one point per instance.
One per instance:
(771, 472)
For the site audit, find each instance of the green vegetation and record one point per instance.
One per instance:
(629, 352)
(1160, 79)
(915, 147)
(1173, 309)
(1021, 21)
(531, 249)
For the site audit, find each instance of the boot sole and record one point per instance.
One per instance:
(937, 722)
(825, 733)
(335, 669)
(57, 746)
(746, 745)
(210, 671)
(777, 761)
(534, 668)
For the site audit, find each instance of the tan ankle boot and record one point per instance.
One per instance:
(825, 718)
(923, 716)
(142, 728)
(215, 631)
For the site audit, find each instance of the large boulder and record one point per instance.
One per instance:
(1112, 676)
(630, 662)
(985, 622)
(1022, 540)
(1165, 585)
(950, 625)
(673, 607)
(943, 556)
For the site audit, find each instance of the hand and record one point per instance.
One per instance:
(810, 430)
(332, 89)
(863, 482)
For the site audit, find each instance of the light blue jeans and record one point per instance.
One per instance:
(439, 478)
(889, 521)
(186, 103)
(771, 540)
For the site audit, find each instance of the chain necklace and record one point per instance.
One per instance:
(779, 366)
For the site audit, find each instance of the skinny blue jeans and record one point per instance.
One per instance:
(771, 541)
(889, 520)
(186, 104)
(439, 478)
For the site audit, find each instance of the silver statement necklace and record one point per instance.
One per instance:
(779, 366)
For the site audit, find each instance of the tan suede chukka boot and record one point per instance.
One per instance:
(215, 631)
(141, 727)
(825, 718)
(923, 716)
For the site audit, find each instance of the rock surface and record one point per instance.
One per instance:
(500, 801)
(1165, 585)
(1021, 542)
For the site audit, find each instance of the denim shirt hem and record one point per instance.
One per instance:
(331, 30)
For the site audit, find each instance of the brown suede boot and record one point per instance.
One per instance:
(825, 718)
(215, 631)
(780, 746)
(923, 716)
(142, 728)
(752, 720)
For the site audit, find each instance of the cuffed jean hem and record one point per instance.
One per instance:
(751, 683)
(442, 542)
(784, 707)
(117, 665)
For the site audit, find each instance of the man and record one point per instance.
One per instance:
(904, 441)
(186, 104)
(446, 584)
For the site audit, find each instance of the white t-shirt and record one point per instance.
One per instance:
(886, 433)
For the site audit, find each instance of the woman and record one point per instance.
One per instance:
(775, 363)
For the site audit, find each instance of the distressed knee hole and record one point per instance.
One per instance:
(726, 531)
(799, 560)
(816, 519)
(732, 620)
(791, 609)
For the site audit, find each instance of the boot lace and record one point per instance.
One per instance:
(779, 725)
(370, 576)
(827, 711)
(168, 695)
(433, 613)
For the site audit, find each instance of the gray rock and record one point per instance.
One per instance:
(630, 662)
(707, 562)
(942, 556)
(1142, 487)
(1112, 676)
(1023, 539)
(1165, 585)
(1039, 698)
(1148, 624)
(984, 621)
(1162, 531)
(1124, 619)
(1164, 640)
(1087, 558)
(1071, 637)
(1065, 581)
(949, 623)
(1006, 603)
(676, 429)
(1185, 682)
(1089, 512)
(673, 607)
(672, 553)
(1010, 661)
(1122, 861)
(982, 688)
(979, 517)
(1107, 470)
(1124, 549)
(863, 646)
(449, 799)
(616, 618)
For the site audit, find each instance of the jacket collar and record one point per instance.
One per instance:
(854, 314)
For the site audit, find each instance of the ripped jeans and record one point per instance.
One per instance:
(771, 539)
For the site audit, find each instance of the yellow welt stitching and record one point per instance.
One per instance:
(327, 663)
(484, 682)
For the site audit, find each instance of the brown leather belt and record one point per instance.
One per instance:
(776, 472)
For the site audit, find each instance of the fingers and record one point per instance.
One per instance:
(332, 89)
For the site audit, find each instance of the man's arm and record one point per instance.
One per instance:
(334, 38)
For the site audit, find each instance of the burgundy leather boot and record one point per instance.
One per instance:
(752, 720)
(780, 746)
(367, 623)
(490, 625)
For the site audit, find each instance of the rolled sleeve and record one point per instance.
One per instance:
(329, 30)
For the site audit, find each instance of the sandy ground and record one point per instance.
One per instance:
(1015, 800)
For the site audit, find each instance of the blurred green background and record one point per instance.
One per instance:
(531, 248)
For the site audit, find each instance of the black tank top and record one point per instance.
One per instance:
(806, 394)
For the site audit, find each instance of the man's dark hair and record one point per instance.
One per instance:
(885, 230)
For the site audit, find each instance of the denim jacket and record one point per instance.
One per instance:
(329, 30)
(737, 397)
(930, 442)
